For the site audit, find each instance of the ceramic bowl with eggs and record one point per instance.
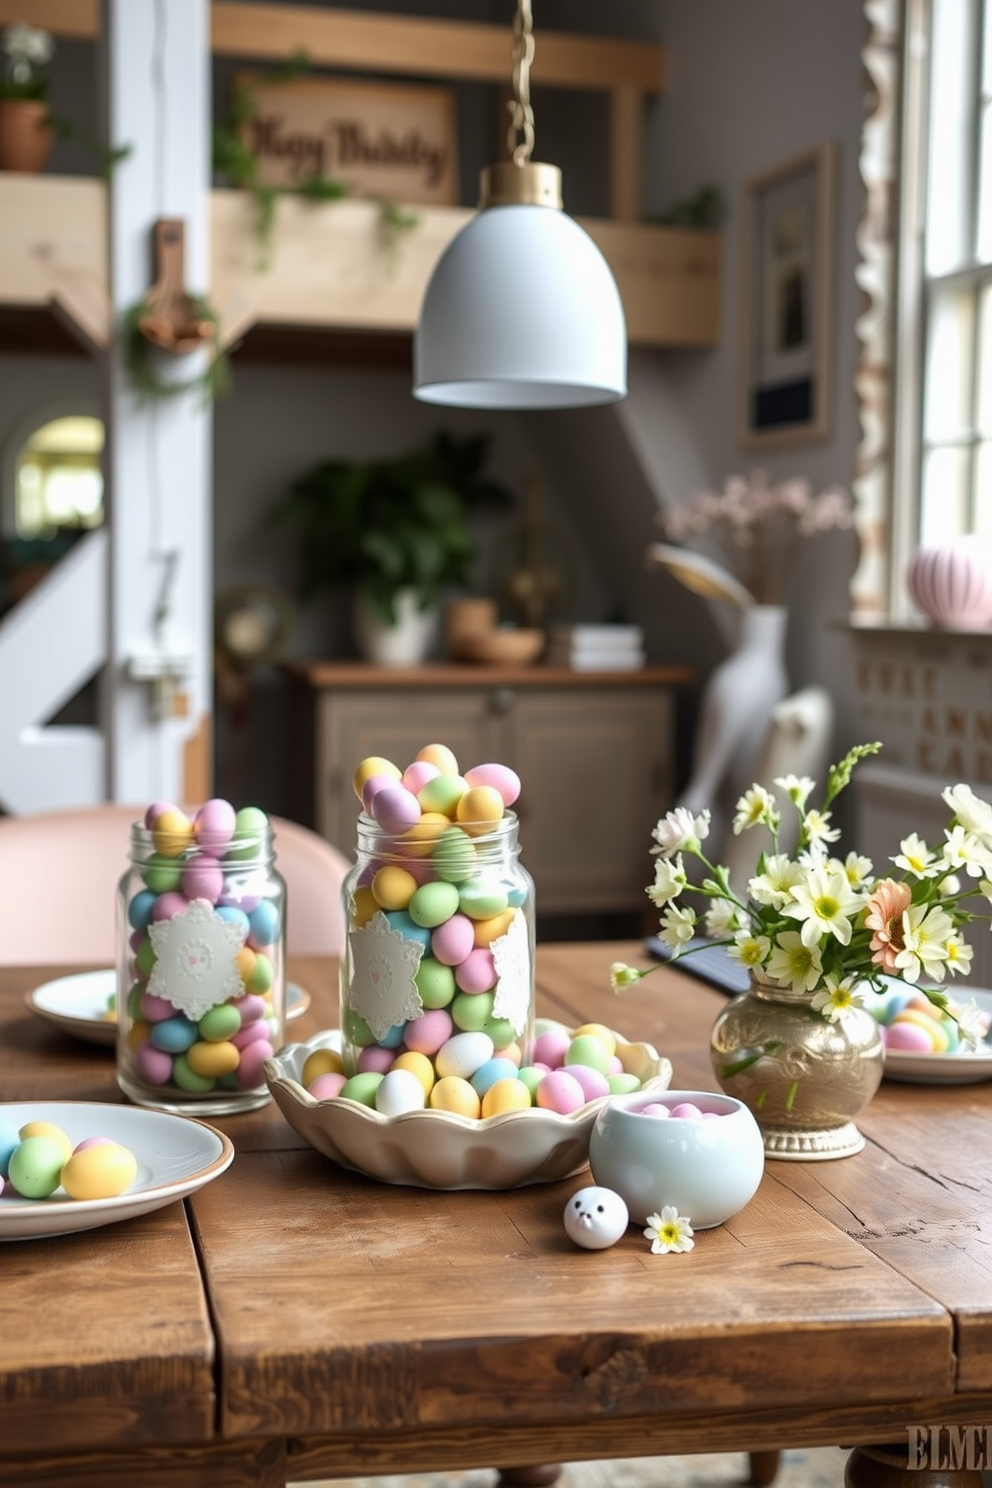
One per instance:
(708, 1163)
(442, 1149)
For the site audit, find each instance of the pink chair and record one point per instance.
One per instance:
(59, 872)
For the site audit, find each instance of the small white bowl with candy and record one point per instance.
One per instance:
(387, 1129)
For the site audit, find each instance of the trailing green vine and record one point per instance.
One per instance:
(234, 158)
(211, 382)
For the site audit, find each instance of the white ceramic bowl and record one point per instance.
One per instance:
(437, 1149)
(707, 1169)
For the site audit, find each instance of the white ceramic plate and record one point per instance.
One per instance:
(78, 1004)
(960, 1068)
(438, 1149)
(175, 1154)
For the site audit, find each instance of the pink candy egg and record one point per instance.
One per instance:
(656, 1109)
(477, 973)
(249, 1071)
(593, 1083)
(251, 1007)
(453, 940)
(167, 906)
(375, 1060)
(157, 809)
(686, 1111)
(909, 1036)
(251, 1033)
(395, 809)
(371, 788)
(203, 878)
(551, 1047)
(426, 1034)
(88, 1142)
(417, 775)
(155, 1009)
(152, 1065)
(326, 1087)
(500, 777)
(560, 1092)
(213, 826)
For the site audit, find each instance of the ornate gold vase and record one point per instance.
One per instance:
(805, 1079)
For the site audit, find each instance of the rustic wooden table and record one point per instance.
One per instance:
(292, 1320)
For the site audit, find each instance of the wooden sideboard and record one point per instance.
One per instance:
(595, 752)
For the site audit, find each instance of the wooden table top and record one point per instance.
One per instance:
(331, 1324)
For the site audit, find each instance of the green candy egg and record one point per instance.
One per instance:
(146, 957)
(482, 901)
(432, 904)
(531, 1077)
(361, 1088)
(250, 826)
(36, 1166)
(219, 1023)
(442, 794)
(261, 975)
(500, 1030)
(454, 857)
(162, 875)
(134, 1001)
(623, 1084)
(590, 1051)
(472, 1011)
(357, 1031)
(435, 983)
(187, 1079)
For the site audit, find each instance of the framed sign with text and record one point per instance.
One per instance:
(379, 139)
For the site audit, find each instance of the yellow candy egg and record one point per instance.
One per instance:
(321, 1062)
(452, 1093)
(393, 887)
(363, 906)
(929, 1024)
(440, 756)
(374, 765)
(479, 808)
(213, 1060)
(419, 1065)
(172, 833)
(138, 1034)
(486, 931)
(99, 1172)
(506, 1095)
(47, 1129)
(245, 962)
(418, 841)
(600, 1031)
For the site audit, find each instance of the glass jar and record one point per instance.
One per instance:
(200, 972)
(440, 942)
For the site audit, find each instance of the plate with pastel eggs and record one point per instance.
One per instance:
(922, 1047)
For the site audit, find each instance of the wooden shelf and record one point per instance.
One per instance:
(359, 674)
(331, 268)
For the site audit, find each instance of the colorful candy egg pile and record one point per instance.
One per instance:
(911, 1022)
(468, 1076)
(680, 1110)
(207, 870)
(39, 1158)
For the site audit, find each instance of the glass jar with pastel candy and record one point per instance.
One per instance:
(201, 917)
(437, 980)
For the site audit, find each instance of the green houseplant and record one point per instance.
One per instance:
(387, 526)
(26, 132)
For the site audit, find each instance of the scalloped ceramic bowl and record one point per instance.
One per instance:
(437, 1149)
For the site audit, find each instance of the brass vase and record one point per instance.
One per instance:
(803, 1077)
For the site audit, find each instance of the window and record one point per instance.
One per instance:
(58, 480)
(925, 375)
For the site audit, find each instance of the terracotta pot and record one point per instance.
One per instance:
(26, 137)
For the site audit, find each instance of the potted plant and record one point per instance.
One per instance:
(398, 530)
(26, 132)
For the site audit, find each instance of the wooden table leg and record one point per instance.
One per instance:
(762, 1468)
(538, 1476)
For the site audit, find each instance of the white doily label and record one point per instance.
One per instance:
(511, 956)
(384, 964)
(195, 966)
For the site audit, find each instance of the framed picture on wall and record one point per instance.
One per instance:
(786, 294)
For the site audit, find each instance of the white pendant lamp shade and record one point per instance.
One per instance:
(522, 312)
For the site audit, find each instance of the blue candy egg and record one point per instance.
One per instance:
(487, 1074)
(264, 922)
(401, 922)
(139, 911)
(174, 1035)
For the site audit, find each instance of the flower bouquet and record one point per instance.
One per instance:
(823, 933)
(26, 53)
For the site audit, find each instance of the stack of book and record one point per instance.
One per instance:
(596, 648)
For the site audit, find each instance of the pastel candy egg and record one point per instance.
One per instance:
(419, 1065)
(393, 887)
(452, 940)
(594, 1083)
(252, 1033)
(479, 808)
(233, 914)
(442, 794)
(551, 1046)
(494, 1069)
(531, 1075)
(600, 1031)
(472, 1012)
(417, 774)
(374, 764)
(152, 1066)
(321, 1062)
(51, 1131)
(363, 906)
(189, 1079)
(486, 931)
(88, 1142)
(172, 833)
(249, 1072)
(453, 856)
(262, 974)
(356, 1029)
(433, 903)
(362, 1088)
(36, 1166)
(203, 878)
(929, 1025)
(325, 1086)
(456, 1095)
(250, 828)
(560, 1092)
(161, 874)
(500, 777)
(463, 1054)
(586, 1048)
(9, 1138)
(99, 1172)
(219, 1023)
(477, 973)
(908, 1036)
(400, 921)
(426, 1034)
(372, 786)
(213, 826)
(174, 1035)
(400, 1092)
(440, 756)
(263, 922)
(420, 840)
(482, 901)
(251, 1007)
(686, 1111)
(374, 1059)
(655, 1108)
(395, 809)
(506, 1095)
(435, 982)
(167, 906)
(157, 809)
(139, 911)
(500, 1030)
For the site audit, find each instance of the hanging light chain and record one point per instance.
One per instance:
(520, 137)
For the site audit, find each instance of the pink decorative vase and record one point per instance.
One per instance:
(952, 584)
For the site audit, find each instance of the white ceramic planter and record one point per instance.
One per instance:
(405, 644)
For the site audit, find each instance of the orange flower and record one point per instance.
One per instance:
(884, 912)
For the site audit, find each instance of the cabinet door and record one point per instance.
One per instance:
(596, 766)
(396, 723)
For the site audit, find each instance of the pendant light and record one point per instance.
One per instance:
(522, 310)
